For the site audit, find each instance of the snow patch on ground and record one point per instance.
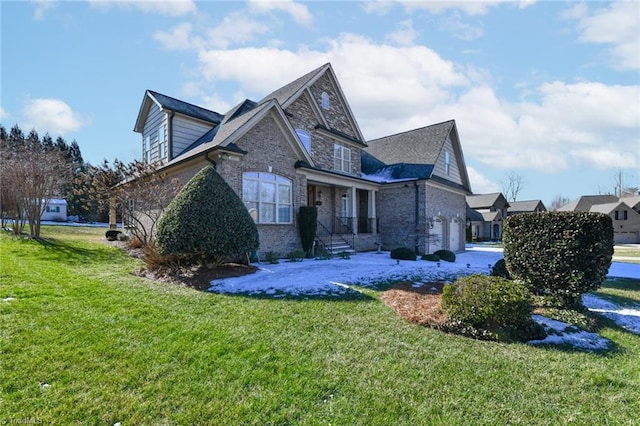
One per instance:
(560, 333)
(627, 318)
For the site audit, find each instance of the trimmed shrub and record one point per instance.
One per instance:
(561, 254)
(206, 220)
(500, 270)
(403, 253)
(446, 255)
(307, 224)
(296, 255)
(430, 257)
(272, 257)
(494, 305)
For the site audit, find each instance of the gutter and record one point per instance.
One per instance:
(415, 219)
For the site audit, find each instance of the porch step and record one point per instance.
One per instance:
(340, 247)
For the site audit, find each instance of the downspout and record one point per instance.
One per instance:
(415, 218)
(170, 141)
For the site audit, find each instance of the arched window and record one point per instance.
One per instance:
(267, 197)
(325, 100)
(305, 139)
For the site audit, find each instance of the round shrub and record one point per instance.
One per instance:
(446, 255)
(430, 257)
(206, 220)
(500, 270)
(562, 254)
(498, 306)
(403, 253)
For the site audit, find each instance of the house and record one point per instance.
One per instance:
(626, 220)
(486, 214)
(528, 206)
(633, 202)
(55, 210)
(301, 145)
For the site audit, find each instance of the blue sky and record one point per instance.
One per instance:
(549, 90)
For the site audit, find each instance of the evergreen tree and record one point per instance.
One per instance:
(207, 220)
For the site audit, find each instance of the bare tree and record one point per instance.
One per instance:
(32, 174)
(557, 202)
(138, 191)
(622, 187)
(512, 185)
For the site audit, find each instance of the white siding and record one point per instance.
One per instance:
(186, 132)
(440, 166)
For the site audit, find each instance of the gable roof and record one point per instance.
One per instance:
(525, 206)
(409, 153)
(481, 201)
(288, 92)
(172, 104)
(421, 145)
(633, 201)
(237, 122)
(608, 207)
(584, 203)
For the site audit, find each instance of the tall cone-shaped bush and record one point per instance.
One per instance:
(206, 219)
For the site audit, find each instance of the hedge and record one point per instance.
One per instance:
(562, 254)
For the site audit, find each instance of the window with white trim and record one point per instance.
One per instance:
(447, 162)
(341, 158)
(267, 197)
(161, 136)
(325, 100)
(305, 138)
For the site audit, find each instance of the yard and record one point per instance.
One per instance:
(84, 340)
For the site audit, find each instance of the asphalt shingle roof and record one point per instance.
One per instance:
(584, 203)
(482, 200)
(283, 94)
(418, 146)
(186, 108)
(524, 206)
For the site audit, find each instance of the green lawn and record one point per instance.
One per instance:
(84, 341)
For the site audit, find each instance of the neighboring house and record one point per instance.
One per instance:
(486, 214)
(529, 206)
(55, 210)
(301, 145)
(626, 220)
(633, 202)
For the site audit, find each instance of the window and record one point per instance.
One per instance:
(161, 142)
(53, 209)
(447, 163)
(621, 215)
(341, 158)
(325, 100)
(267, 197)
(305, 139)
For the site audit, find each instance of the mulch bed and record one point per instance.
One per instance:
(417, 304)
(198, 278)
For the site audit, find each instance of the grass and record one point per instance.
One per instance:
(83, 340)
(627, 254)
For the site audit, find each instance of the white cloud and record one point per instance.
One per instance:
(4, 114)
(459, 28)
(235, 28)
(405, 35)
(298, 11)
(440, 6)
(397, 88)
(179, 38)
(41, 8)
(616, 26)
(480, 184)
(52, 115)
(169, 8)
